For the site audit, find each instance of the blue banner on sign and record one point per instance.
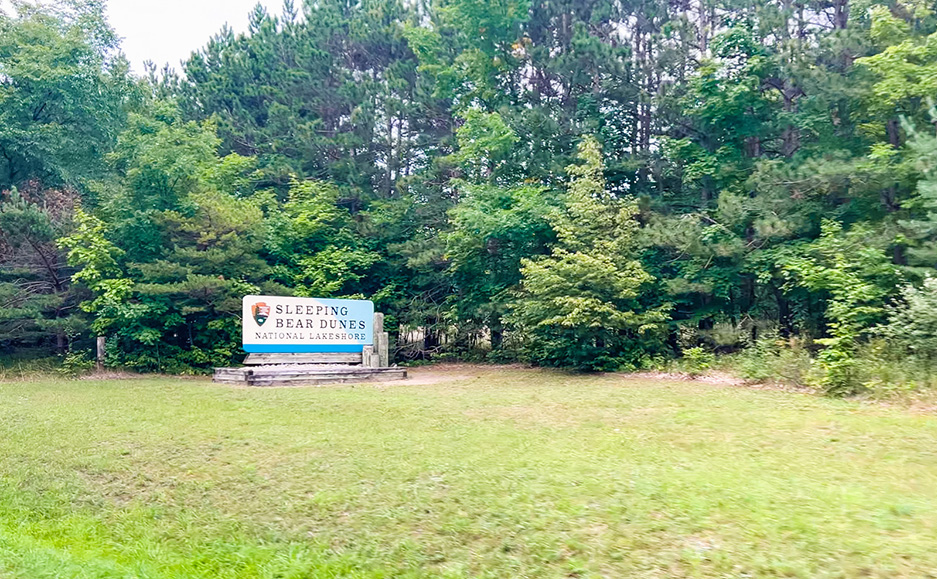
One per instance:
(289, 349)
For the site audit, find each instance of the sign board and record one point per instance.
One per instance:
(273, 324)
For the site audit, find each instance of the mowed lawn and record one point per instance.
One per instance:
(468, 472)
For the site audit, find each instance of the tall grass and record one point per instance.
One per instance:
(882, 369)
(26, 365)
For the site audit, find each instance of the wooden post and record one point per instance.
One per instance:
(368, 357)
(384, 352)
(100, 358)
(381, 341)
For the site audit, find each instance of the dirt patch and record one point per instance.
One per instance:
(450, 372)
(717, 379)
(439, 373)
(119, 375)
(709, 378)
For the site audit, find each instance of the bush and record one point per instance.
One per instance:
(885, 370)
(76, 363)
(775, 360)
(912, 322)
(697, 361)
(877, 369)
(857, 276)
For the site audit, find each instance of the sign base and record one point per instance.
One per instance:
(294, 358)
(306, 375)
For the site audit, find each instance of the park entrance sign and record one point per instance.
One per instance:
(295, 341)
(273, 324)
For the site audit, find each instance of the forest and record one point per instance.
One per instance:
(583, 184)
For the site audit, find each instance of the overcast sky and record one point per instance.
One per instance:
(169, 30)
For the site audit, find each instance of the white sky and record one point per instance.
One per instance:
(168, 31)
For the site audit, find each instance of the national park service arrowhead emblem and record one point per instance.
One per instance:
(261, 312)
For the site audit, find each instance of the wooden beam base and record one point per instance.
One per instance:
(322, 358)
(300, 375)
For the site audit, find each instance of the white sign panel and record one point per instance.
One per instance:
(273, 324)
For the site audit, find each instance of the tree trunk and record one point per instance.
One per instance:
(791, 134)
(894, 133)
(889, 194)
(899, 255)
(840, 14)
(497, 335)
(785, 323)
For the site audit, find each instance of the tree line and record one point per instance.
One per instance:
(578, 183)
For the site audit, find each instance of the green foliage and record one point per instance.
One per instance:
(912, 322)
(167, 270)
(61, 93)
(90, 250)
(697, 361)
(918, 231)
(485, 142)
(774, 360)
(888, 371)
(493, 230)
(581, 305)
(28, 364)
(857, 278)
(36, 300)
(505, 179)
(76, 363)
(327, 272)
(881, 367)
(98, 270)
(905, 68)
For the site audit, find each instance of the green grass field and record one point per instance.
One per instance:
(484, 473)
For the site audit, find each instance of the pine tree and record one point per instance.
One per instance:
(584, 304)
